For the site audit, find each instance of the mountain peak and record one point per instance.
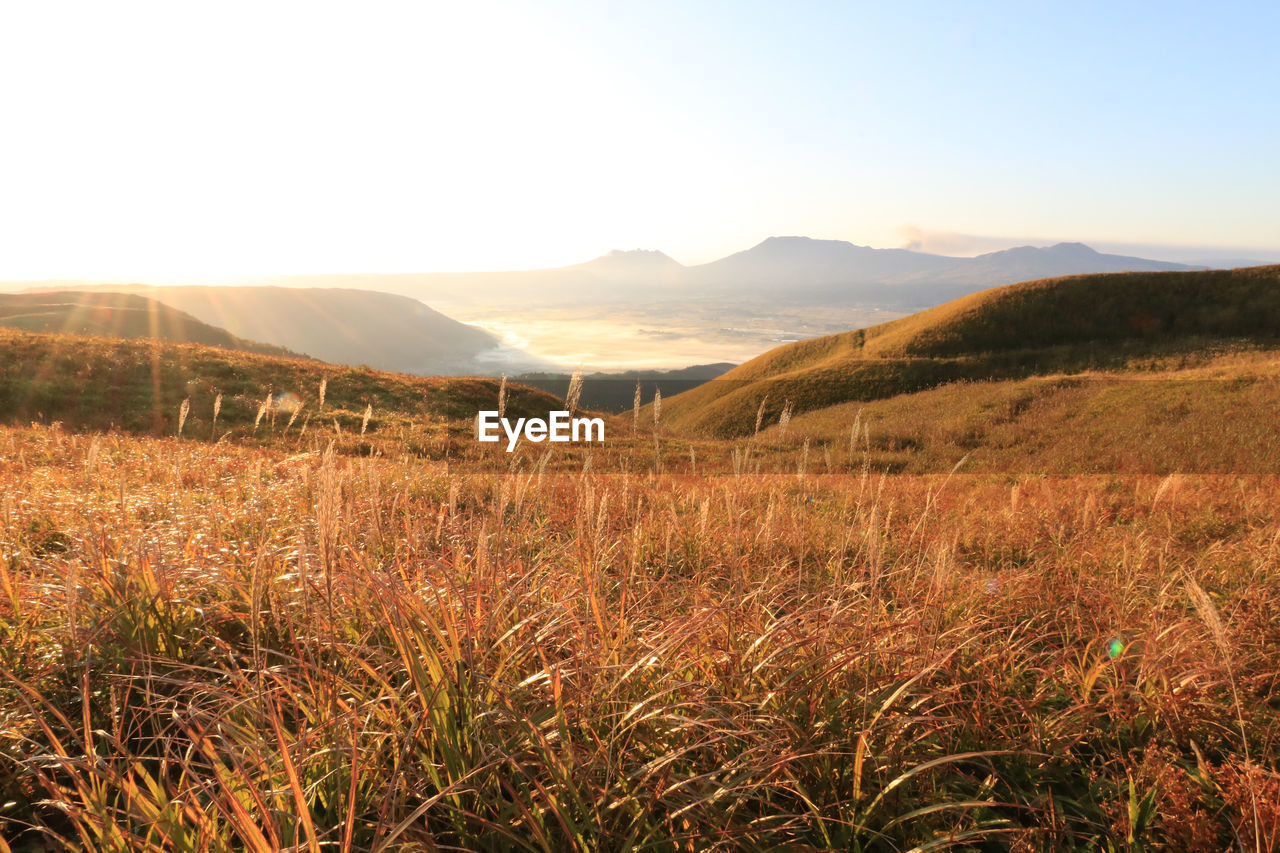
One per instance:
(637, 260)
(1077, 249)
(640, 255)
(780, 242)
(1057, 250)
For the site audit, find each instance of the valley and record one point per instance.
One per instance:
(626, 310)
(655, 336)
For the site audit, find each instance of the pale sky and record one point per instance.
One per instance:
(165, 140)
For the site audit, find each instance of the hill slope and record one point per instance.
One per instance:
(1214, 418)
(1046, 326)
(343, 326)
(135, 385)
(118, 315)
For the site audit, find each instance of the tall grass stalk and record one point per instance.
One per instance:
(262, 411)
(293, 416)
(1208, 612)
(635, 409)
(784, 419)
(574, 394)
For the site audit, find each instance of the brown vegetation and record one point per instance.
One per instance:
(215, 648)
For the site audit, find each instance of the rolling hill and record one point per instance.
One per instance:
(1214, 418)
(1107, 321)
(118, 315)
(339, 325)
(98, 383)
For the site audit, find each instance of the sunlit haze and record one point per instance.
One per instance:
(166, 141)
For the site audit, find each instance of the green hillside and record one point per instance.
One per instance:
(1062, 325)
(118, 315)
(139, 386)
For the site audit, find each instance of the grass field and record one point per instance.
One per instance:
(267, 603)
(217, 647)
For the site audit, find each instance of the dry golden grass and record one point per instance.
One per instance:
(211, 647)
(103, 383)
(1219, 418)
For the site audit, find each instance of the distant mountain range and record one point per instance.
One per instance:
(790, 270)
(837, 272)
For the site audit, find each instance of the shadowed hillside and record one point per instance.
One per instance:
(615, 392)
(1054, 325)
(118, 315)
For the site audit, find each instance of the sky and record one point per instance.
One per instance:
(162, 141)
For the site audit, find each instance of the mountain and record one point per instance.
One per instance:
(802, 263)
(837, 272)
(339, 325)
(118, 315)
(1099, 321)
(799, 271)
(1025, 263)
(640, 265)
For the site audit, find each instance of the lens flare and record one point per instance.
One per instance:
(288, 402)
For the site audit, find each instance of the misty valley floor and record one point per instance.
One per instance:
(220, 647)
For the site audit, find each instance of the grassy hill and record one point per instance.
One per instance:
(343, 326)
(1219, 418)
(118, 315)
(139, 386)
(1061, 325)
